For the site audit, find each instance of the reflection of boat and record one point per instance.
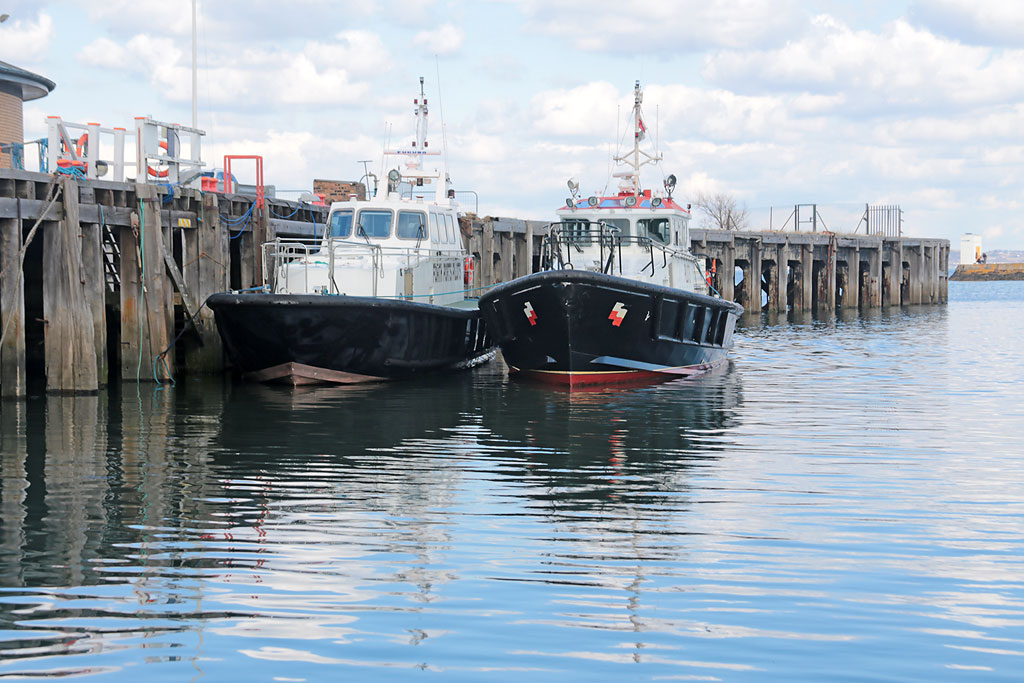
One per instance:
(380, 297)
(621, 297)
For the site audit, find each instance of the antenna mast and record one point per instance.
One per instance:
(635, 159)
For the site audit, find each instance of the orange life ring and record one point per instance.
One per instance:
(68, 163)
(154, 172)
(80, 144)
(467, 278)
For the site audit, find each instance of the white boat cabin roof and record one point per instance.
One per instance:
(394, 221)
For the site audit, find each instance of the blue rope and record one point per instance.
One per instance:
(238, 219)
(72, 171)
(277, 215)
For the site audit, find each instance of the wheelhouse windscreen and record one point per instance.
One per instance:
(621, 223)
(655, 228)
(374, 223)
(341, 223)
(411, 225)
(576, 229)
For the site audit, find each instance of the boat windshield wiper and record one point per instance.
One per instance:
(361, 231)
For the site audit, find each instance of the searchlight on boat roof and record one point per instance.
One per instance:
(656, 202)
(630, 201)
(570, 203)
(394, 175)
(592, 201)
(670, 184)
(574, 185)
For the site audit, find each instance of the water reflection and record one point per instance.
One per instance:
(841, 494)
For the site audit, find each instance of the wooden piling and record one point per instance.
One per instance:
(95, 292)
(70, 335)
(12, 310)
(206, 274)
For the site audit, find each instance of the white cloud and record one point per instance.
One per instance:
(901, 68)
(587, 110)
(974, 21)
(26, 42)
(257, 21)
(319, 73)
(444, 40)
(646, 26)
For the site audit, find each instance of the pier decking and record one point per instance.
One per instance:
(98, 278)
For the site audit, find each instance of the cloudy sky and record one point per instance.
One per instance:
(918, 103)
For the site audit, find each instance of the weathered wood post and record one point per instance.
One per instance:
(147, 315)
(12, 311)
(487, 253)
(806, 276)
(851, 291)
(69, 339)
(781, 278)
(208, 275)
(754, 281)
(95, 292)
(894, 257)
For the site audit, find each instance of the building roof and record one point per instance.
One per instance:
(33, 86)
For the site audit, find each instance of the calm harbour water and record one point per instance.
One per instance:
(844, 502)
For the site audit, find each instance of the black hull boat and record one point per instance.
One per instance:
(578, 328)
(312, 338)
(380, 295)
(620, 297)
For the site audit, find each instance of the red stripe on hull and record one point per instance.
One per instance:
(596, 379)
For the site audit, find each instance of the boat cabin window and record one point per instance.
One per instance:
(679, 232)
(374, 223)
(577, 230)
(655, 228)
(433, 229)
(621, 223)
(412, 225)
(341, 223)
(450, 223)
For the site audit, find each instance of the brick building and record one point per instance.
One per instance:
(16, 87)
(338, 190)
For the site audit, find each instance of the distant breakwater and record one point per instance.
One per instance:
(978, 272)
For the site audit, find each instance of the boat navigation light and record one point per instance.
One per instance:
(592, 201)
(631, 201)
(656, 202)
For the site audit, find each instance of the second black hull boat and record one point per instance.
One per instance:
(577, 328)
(311, 338)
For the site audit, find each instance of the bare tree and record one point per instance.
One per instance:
(721, 211)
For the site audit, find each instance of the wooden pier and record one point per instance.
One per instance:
(99, 279)
(763, 271)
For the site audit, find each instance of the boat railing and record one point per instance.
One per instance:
(567, 237)
(301, 255)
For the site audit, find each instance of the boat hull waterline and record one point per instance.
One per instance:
(578, 328)
(314, 338)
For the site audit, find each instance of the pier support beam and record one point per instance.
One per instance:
(95, 292)
(12, 311)
(893, 274)
(70, 337)
(206, 273)
(146, 305)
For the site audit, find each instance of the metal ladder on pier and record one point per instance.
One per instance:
(111, 259)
